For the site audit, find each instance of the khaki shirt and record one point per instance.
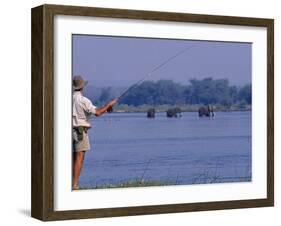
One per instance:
(83, 109)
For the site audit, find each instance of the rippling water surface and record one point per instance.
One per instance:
(186, 150)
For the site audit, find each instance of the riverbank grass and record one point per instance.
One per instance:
(128, 184)
(124, 108)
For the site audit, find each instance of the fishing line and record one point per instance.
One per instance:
(152, 71)
(150, 74)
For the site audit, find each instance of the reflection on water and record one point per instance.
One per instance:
(186, 150)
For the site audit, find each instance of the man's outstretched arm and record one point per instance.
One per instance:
(102, 110)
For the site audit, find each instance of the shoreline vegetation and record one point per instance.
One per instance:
(205, 179)
(124, 108)
(207, 175)
(164, 94)
(129, 184)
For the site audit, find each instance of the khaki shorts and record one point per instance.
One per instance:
(80, 145)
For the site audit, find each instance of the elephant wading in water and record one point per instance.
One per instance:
(207, 111)
(173, 112)
(151, 113)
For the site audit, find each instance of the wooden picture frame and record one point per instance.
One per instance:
(42, 203)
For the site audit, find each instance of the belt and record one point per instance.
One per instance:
(80, 129)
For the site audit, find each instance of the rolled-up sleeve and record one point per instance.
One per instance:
(88, 106)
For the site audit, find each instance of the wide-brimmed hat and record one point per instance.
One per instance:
(78, 82)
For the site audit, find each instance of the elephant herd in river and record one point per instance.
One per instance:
(203, 111)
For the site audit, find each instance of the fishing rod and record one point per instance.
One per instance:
(149, 74)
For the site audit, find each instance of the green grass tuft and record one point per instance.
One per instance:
(128, 184)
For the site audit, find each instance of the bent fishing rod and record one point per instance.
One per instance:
(149, 74)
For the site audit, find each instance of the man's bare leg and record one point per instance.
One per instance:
(78, 159)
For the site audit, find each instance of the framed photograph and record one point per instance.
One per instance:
(142, 112)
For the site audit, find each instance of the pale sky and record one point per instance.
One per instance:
(121, 61)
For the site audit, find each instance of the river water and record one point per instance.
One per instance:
(186, 150)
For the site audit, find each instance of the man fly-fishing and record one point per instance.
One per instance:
(83, 109)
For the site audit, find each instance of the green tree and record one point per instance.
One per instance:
(105, 95)
(245, 93)
(204, 91)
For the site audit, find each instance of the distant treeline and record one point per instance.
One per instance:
(167, 92)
